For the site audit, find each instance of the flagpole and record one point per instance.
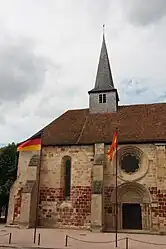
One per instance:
(38, 191)
(116, 192)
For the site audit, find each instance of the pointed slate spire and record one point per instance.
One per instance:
(104, 81)
(103, 98)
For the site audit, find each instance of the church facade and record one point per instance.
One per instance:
(76, 179)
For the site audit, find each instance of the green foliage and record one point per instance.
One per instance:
(8, 171)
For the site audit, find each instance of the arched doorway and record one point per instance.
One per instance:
(133, 206)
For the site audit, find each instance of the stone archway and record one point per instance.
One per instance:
(132, 196)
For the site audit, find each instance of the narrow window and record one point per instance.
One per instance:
(104, 98)
(67, 176)
(100, 98)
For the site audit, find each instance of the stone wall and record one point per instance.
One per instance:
(151, 176)
(24, 173)
(55, 211)
(109, 106)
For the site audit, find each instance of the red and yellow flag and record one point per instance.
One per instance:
(112, 146)
(30, 145)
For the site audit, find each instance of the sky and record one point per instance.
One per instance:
(49, 52)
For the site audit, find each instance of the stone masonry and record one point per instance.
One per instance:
(55, 211)
(150, 177)
(23, 194)
(86, 204)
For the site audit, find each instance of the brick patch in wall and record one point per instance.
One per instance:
(81, 201)
(160, 197)
(51, 194)
(17, 204)
(75, 212)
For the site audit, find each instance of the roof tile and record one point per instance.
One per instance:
(135, 123)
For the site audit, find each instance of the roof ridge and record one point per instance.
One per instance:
(79, 109)
(148, 104)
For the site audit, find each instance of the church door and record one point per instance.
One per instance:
(132, 217)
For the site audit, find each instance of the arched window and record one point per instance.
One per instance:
(67, 177)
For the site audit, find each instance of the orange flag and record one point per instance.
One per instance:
(112, 146)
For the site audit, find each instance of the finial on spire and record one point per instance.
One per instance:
(103, 29)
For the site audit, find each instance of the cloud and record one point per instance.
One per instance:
(22, 72)
(143, 13)
(58, 99)
(161, 97)
(98, 11)
(142, 90)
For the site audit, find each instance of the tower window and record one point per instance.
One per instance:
(67, 179)
(102, 98)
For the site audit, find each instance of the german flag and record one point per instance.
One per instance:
(30, 145)
(112, 146)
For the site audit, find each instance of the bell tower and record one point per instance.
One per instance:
(104, 96)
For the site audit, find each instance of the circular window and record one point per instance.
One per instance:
(130, 163)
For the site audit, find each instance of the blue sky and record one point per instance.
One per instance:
(50, 51)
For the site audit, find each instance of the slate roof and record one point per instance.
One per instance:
(104, 80)
(135, 123)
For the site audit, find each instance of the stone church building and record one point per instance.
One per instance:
(77, 181)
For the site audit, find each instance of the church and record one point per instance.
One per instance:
(71, 183)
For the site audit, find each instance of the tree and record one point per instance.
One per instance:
(8, 171)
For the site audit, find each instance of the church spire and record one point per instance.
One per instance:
(104, 96)
(104, 80)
